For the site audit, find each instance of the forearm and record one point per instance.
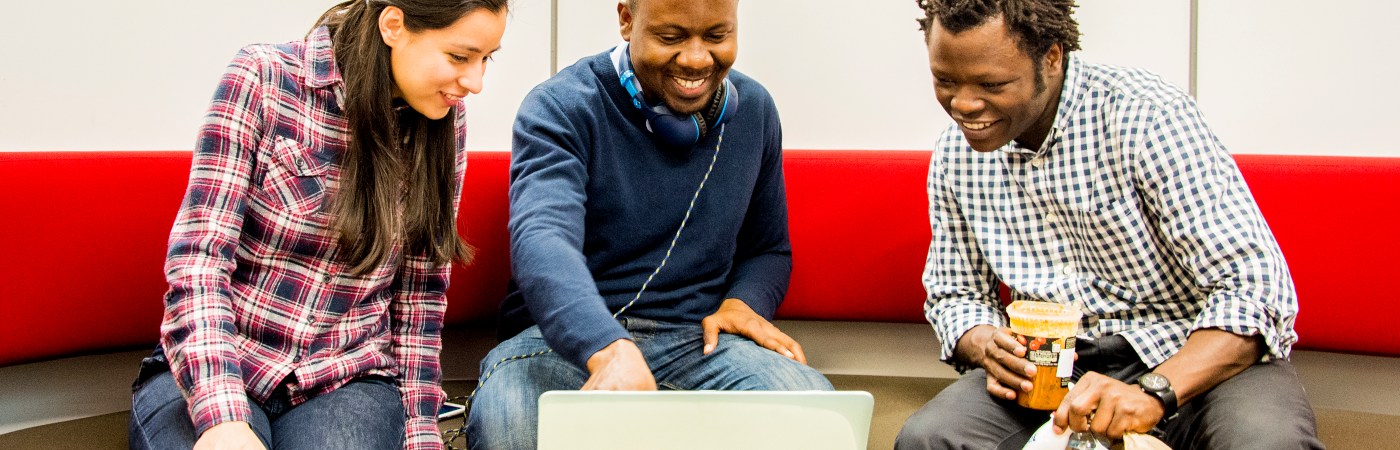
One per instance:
(763, 257)
(419, 384)
(960, 283)
(416, 317)
(198, 334)
(1209, 357)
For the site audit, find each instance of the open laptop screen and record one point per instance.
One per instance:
(768, 420)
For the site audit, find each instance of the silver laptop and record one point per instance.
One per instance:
(683, 420)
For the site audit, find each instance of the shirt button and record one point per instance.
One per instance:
(1037, 162)
(328, 278)
(301, 163)
(1067, 270)
(1050, 217)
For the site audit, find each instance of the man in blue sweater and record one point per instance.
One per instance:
(649, 239)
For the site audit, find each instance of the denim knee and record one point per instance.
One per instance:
(758, 368)
(504, 410)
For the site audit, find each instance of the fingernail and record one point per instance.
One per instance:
(709, 348)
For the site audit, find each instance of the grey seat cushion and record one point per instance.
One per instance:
(895, 399)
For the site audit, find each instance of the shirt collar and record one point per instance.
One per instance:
(320, 60)
(1070, 94)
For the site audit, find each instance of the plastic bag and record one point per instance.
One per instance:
(1045, 438)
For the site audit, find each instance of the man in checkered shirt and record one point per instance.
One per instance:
(1099, 187)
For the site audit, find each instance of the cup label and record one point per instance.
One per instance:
(1052, 352)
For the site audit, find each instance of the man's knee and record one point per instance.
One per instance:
(1263, 407)
(927, 428)
(1262, 430)
(767, 370)
(798, 377)
(502, 416)
(964, 415)
(503, 412)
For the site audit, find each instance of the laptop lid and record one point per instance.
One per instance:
(767, 420)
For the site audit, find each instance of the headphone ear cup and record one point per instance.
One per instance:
(680, 132)
(728, 107)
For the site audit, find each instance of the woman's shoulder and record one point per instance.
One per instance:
(273, 61)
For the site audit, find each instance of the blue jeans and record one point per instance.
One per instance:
(365, 414)
(504, 412)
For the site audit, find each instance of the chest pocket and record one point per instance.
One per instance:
(297, 180)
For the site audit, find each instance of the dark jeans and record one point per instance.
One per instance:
(1263, 407)
(365, 414)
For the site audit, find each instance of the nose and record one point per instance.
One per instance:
(471, 78)
(695, 56)
(966, 103)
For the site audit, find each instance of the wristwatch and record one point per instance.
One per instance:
(1156, 385)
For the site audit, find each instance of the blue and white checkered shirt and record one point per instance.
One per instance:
(1131, 208)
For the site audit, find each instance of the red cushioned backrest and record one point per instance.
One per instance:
(85, 233)
(1336, 219)
(860, 233)
(84, 237)
(476, 290)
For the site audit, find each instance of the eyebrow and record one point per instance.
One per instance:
(664, 27)
(471, 48)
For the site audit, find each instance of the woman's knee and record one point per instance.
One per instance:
(160, 416)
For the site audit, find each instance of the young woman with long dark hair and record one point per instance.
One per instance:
(310, 258)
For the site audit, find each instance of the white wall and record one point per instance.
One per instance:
(1293, 76)
(857, 77)
(138, 74)
(846, 75)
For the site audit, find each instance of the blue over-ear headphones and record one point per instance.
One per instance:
(676, 130)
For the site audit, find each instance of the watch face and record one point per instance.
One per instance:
(1153, 382)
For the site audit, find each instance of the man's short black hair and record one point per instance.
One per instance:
(1035, 24)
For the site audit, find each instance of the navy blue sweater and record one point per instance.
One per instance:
(595, 201)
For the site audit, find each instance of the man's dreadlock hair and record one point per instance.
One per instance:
(1035, 24)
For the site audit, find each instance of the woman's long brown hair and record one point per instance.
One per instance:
(393, 154)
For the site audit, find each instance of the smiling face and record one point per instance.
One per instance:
(435, 69)
(991, 88)
(681, 49)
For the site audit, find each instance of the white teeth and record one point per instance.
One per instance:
(689, 84)
(976, 126)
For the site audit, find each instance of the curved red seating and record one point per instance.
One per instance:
(84, 234)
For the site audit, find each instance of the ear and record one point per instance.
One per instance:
(624, 20)
(391, 26)
(1055, 59)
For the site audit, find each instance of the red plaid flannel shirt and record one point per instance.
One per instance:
(256, 292)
